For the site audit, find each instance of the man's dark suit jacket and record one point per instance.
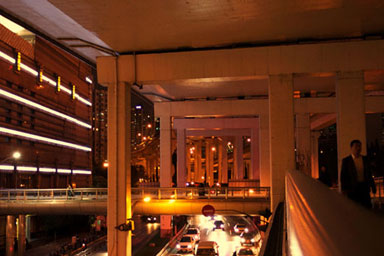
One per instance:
(348, 176)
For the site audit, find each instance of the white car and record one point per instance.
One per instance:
(246, 252)
(186, 244)
(207, 248)
(194, 232)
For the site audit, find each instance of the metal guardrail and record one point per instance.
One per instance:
(136, 193)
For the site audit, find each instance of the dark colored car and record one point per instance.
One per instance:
(218, 224)
(149, 219)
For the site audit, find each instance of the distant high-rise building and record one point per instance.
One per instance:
(99, 120)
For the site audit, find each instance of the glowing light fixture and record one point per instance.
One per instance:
(82, 172)
(66, 171)
(34, 137)
(26, 168)
(34, 105)
(88, 80)
(47, 170)
(18, 62)
(21, 66)
(16, 155)
(7, 167)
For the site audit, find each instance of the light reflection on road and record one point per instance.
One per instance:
(227, 243)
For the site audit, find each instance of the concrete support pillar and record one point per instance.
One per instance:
(211, 151)
(350, 103)
(238, 158)
(315, 154)
(21, 236)
(254, 170)
(220, 162)
(265, 172)
(224, 160)
(181, 156)
(189, 164)
(303, 143)
(198, 170)
(209, 162)
(119, 170)
(281, 133)
(151, 169)
(28, 227)
(10, 234)
(165, 152)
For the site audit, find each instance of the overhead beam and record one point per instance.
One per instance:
(261, 61)
(225, 108)
(219, 133)
(216, 123)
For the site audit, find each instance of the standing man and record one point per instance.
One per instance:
(356, 177)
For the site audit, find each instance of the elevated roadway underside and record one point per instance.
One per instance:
(154, 207)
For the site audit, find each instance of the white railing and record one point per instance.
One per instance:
(256, 193)
(324, 222)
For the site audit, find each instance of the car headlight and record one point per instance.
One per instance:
(236, 230)
(154, 218)
(246, 230)
(242, 240)
(222, 226)
(195, 237)
(178, 246)
(252, 240)
(189, 246)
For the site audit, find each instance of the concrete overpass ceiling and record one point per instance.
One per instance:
(42, 16)
(150, 25)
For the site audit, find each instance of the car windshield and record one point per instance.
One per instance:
(245, 252)
(247, 235)
(218, 222)
(204, 251)
(192, 231)
(186, 239)
(240, 225)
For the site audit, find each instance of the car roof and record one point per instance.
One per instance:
(207, 244)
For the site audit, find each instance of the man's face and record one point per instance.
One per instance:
(356, 149)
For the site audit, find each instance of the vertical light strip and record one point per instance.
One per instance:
(18, 61)
(46, 79)
(34, 137)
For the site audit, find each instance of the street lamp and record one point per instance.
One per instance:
(16, 155)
